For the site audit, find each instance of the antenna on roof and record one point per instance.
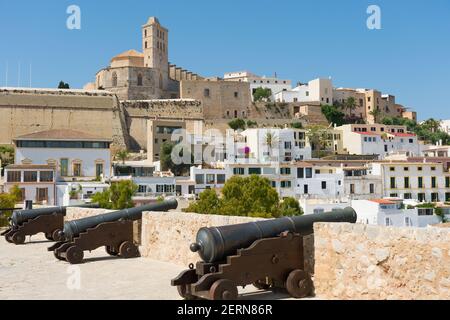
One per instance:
(18, 75)
(7, 67)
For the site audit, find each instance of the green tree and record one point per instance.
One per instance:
(8, 201)
(377, 115)
(350, 105)
(237, 124)
(122, 155)
(63, 85)
(6, 155)
(333, 115)
(319, 139)
(252, 124)
(290, 207)
(208, 203)
(297, 125)
(119, 196)
(167, 163)
(261, 94)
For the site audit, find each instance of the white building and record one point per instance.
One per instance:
(49, 163)
(445, 126)
(207, 178)
(317, 90)
(367, 140)
(254, 146)
(421, 181)
(275, 84)
(390, 212)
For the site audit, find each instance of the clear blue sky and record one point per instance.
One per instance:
(300, 40)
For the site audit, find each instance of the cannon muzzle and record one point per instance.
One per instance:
(216, 243)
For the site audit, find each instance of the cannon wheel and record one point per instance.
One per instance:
(182, 291)
(128, 250)
(57, 256)
(18, 238)
(8, 238)
(111, 251)
(74, 255)
(262, 285)
(223, 290)
(299, 284)
(56, 235)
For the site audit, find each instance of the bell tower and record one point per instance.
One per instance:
(156, 50)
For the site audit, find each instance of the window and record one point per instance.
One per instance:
(14, 176)
(324, 185)
(285, 184)
(46, 176)
(411, 140)
(64, 167)
(393, 186)
(238, 171)
(420, 182)
(392, 169)
(287, 145)
(447, 182)
(98, 169)
(421, 197)
(372, 188)
(408, 222)
(419, 169)
(206, 93)
(236, 94)
(285, 171)
(433, 168)
(300, 173)
(393, 195)
(352, 188)
(407, 196)
(199, 179)
(114, 79)
(433, 182)
(220, 179)
(41, 194)
(305, 189)
(406, 168)
(388, 222)
(307, 93)
(139, 80)
(435, 197)
(142, 189)
(77, 169)
(308, 173)
(30, 176)
(256, 171)
(406, 180)
(210, 179)
(447, 196)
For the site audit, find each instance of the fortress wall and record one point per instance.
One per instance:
(139, 112)
(28, 111)
(374, 262)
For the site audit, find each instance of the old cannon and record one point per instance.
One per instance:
(49, 221)
(268, 254)
(112, 230)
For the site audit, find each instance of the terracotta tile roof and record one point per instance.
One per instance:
(404, 134)
(128, 54)
(61, 134)
(382, 201)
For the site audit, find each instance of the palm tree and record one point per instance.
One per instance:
(318, 137)
(433, 125)
(122, 155)
(376, 114)
(271, 141)
(350, 105)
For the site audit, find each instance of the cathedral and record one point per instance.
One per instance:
(133, 75)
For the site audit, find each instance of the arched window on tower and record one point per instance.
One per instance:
(160, 81)
(139, 80)
(114, 79)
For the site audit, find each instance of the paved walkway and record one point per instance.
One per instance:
(31, 272)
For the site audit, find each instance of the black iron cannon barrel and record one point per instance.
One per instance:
(74, 228)
(216, 243)
(19, 217)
